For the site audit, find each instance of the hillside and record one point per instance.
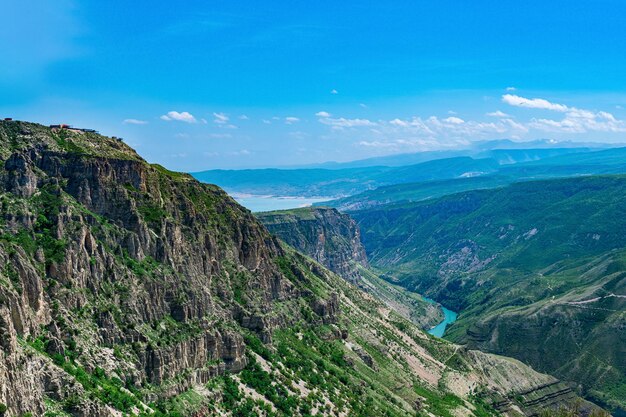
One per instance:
(522, 165)
(536, 270)
(334, 240)
(128, 289)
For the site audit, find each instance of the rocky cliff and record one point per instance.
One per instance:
(127, 289)
(331, 238)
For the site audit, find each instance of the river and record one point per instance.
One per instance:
(449, 317)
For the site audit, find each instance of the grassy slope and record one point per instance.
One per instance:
(516, 261)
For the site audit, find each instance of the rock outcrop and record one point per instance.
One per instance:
(326, 235)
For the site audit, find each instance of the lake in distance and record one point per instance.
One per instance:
(257, 203)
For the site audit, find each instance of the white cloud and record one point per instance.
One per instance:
(575, 120)
(515, 125)
(401, 123)
(454, 120)
(134, 122)
(181, 117)
(498, 113)
(511, 89)
(220, 118)
(242, 152)
(533, 103)
(417, 133)
(450, 127)
(581, 121)
(243, 117)
(267, 122)
(220, 135)
(363, 105)
(291, 120)
(402, 144)
(333, 91)
(343, 122)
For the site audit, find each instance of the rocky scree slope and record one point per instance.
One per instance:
(537, 270)
(127, 289)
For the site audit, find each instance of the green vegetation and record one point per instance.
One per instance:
(62, 138)
(46, 204)
(109, 390)
(171, 174)
(517, 261)
(575, 410)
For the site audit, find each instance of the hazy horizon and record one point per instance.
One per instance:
(201, 86)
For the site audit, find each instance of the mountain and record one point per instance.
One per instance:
(536, 270)
(610, 161)
(480, 149)
(340, 182)
(415, 191)
(128, 289)
(334, 240)
(347, 180)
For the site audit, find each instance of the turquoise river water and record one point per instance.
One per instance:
(449, 317)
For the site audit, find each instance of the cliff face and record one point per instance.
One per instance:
(127, 288)
(131, 255)
(331, 238)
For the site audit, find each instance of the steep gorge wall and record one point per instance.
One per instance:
(109, 252)
(331, 238)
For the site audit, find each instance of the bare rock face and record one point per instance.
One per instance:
(326, 235)
(102, 253)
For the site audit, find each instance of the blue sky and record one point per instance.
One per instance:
(214, 84)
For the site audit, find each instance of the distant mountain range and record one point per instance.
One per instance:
(587, 162)
(347, 181)
(478, 149)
